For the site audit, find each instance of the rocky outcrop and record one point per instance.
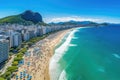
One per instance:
(35, 17)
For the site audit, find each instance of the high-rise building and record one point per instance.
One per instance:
(44, 30)
(4, 50)
(26, 36)
(31, 33)
(17, 39)
(11, 33)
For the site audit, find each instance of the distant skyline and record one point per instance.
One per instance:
(65, 10)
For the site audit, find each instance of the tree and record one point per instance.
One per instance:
(12, 68)
(10, 54)
(11, 49)
(29, 44)
(15, 63)
(6, 74)
(20, 55)
(18, 58)
(23, 50)
(2, 78)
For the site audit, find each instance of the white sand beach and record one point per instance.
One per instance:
(36, 64)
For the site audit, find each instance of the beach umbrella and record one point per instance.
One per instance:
(24, 74)
(21, 77)
(16, 77)
(30, 77)
(20, 72)
(27, 75)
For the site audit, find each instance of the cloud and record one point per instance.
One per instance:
(77, 18)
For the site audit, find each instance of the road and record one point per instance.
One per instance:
(3, 70)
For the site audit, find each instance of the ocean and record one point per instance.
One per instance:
(90, 53)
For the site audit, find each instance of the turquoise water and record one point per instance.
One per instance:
(88, 54)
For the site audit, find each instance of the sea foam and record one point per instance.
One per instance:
(116, 55)
(62, 75)
(72, 45)
(54, 70)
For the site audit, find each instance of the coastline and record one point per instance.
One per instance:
(38, 66)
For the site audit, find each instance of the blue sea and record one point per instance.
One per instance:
(90, 53)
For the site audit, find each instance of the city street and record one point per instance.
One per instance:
(3, 70)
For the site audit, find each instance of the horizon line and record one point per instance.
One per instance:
(56, 19)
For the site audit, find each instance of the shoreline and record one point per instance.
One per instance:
(55, 68)
(40, 55)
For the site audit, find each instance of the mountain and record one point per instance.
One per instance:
(27, 17)
(35, 17)
(81, 23)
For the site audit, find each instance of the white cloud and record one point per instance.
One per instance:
(77, 18)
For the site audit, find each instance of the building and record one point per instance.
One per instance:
(38, 31)
(31, 33)
(26, 36)
(43, 30)
(10, 34)
(4, 50)
(17, 39)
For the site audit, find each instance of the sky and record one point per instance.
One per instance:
(65, 10)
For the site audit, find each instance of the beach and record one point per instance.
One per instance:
(37, 58)
(90, 53)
